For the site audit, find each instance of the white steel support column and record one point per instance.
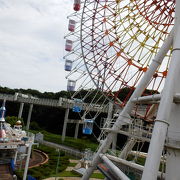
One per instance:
(115, 169)
(29, 116)
(20, 110)
(165, 108)
(124, 115)
(109, 117)
(15, 157)
(4, 101)
(110, 111)
(65, 124)
(27, 161)
(114, 143)
(173, 164)
(173, 155)
(128, 147)
(76, 131)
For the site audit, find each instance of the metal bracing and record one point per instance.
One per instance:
(155, 97)
(124, 117)
(107, 123)
(136, 132)
(120, 175)
(127, 148)
(165, 117)
(130, 164)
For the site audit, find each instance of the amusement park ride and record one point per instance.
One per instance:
(114, 45)
(15, 145)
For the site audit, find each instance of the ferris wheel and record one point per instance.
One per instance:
(119, 40)
(123, 43)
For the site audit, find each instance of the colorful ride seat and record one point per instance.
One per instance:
(88, 126)
(77, 5)
(71, 26)
(68, 46)
(68, 65)
(71, 85)
(76, 109)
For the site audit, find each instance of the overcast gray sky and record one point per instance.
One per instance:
(32, 43)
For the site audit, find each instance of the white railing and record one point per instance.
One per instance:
(135, 129)
(61, 102)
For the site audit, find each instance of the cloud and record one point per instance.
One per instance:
(32, 43)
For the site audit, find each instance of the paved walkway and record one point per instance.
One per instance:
(38, 158)
(64, 148)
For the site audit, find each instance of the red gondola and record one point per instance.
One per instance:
(77, 5)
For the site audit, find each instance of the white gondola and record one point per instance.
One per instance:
(69, 45)
(71, 26)
(71, 85)
(68, 65)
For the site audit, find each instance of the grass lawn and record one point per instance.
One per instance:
(72, 164)
(98, 176)
(73, 174)
(80, 144)
(49, 169)
(68, 174)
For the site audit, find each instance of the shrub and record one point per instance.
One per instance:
(34, 126)
(13, 119)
